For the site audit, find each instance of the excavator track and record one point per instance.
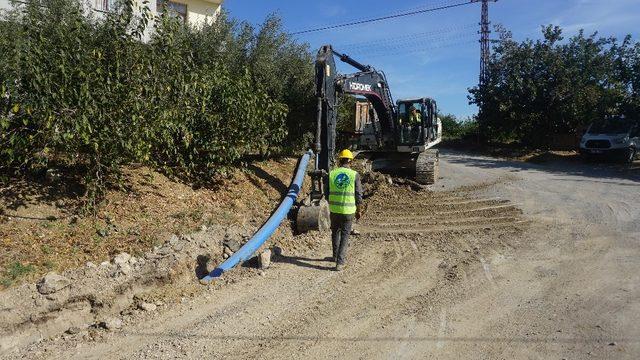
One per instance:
(427, 167)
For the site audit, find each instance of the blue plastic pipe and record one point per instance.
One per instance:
(268, 228)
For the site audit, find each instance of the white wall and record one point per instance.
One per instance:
(5, 4)
(200, 11)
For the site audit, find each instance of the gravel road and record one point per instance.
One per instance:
(504, 260)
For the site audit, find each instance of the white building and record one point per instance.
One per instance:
(193, 12)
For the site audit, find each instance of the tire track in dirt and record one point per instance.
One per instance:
(413, 248)
(408, 278)
(423, 213)
(393, 272)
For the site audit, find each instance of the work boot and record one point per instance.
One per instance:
(339, 267)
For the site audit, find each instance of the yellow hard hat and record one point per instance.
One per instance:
(345, 154)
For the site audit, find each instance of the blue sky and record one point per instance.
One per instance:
(435, 54)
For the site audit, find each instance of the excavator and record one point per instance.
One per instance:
(396, 140)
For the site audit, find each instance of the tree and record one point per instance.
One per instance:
(537, 89)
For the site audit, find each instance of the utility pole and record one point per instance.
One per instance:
(485, 50)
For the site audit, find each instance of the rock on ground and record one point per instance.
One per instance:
(122, 258)
(52, 283)
(112, 323)
(265, 259)
(147, 306)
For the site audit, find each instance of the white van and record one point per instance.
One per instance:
(615, 136)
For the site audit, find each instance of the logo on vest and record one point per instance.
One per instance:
(342, 181)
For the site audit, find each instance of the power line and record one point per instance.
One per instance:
(404, 48)
(430, 4)
(426, 5)
(387, 17)
(422, 49)
(409, 43)
(414, 42)
(406, 37)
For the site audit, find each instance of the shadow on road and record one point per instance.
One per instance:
(594, 170)
(303, 262)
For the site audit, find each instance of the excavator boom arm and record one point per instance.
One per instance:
(368, 82)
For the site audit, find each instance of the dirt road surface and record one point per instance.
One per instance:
(505, 260)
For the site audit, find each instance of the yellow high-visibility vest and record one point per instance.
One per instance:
(342, 191)
(415, 119)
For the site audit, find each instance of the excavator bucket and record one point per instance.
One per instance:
(313, 216)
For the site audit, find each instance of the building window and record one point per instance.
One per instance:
(105, 5)
(175, 9)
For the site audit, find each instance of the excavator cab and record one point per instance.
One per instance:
(417, 124)
(410, 123)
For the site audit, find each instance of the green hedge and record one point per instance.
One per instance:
(90, 93)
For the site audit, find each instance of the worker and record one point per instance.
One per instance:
(345, 199)
(415, 122)
(414, 118)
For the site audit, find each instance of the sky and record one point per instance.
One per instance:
(434, 54)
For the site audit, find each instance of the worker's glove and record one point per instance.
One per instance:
(358, 213)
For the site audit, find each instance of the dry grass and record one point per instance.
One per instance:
(41, 228)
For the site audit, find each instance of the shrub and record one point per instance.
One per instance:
(453, 128)
(90, 93)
